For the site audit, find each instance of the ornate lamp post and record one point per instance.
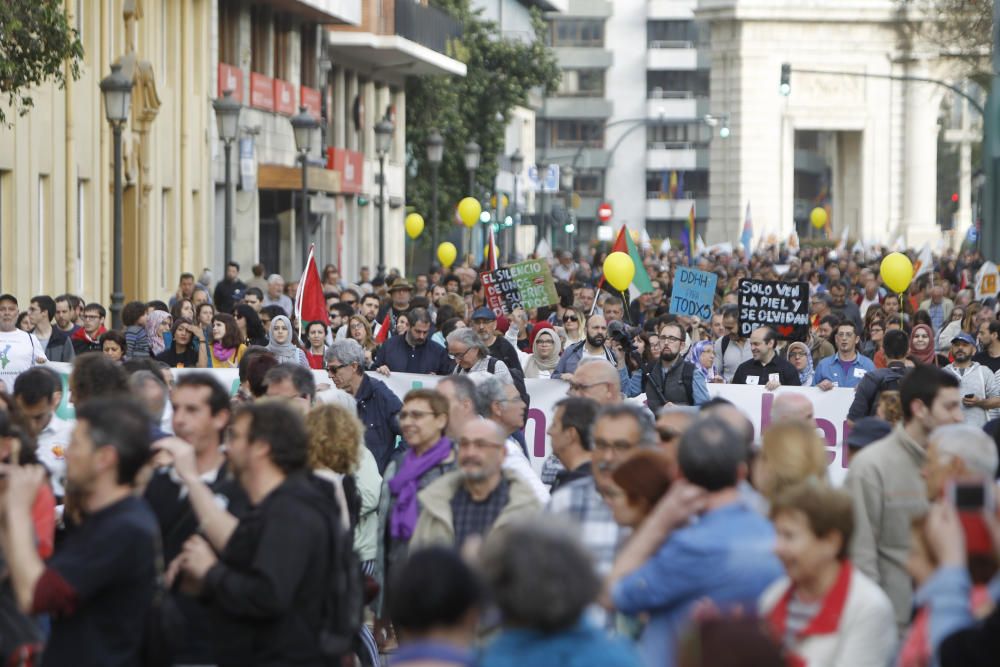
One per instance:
(435, 154)
(116, 88)
(227, 117)
(383, 142)
(304, 125)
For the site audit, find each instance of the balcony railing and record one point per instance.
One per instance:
(660, 94)
(428, 26)
(686, 195)
(670, 44)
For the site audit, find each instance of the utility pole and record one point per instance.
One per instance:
(989, 239)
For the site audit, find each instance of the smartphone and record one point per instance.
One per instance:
(970, 395)
(972, 496)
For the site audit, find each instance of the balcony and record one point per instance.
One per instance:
(576, 107)
(407, 34)
(676, 209)
(323, 11)
(678, 157)
(672, 55)
(582, 57)
(675, 105)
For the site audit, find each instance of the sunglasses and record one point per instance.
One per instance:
(571, 318)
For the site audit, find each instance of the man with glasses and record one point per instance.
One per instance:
(87, 338)
(597, 380)
(846, 368)
(673, 381)
(414, 352)
(477, 499)
(501, 404)
(377, 406)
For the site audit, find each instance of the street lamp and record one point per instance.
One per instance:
(472, 153)
(116, 88)
(435, 154)
(516, 167)
(566, 181)
(227, 117)
(303, 126)
(383, 142)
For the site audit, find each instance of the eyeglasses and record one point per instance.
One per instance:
(414, 414)
(571, 318)
(458, 355)
(478, 444)
(796, 355)
(330, 370)
(618, 447)
(671, 339)
(578, 387)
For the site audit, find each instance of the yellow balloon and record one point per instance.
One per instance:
(896, 272)
(818, 217)
(619, 270)
(447, 252)
(414, 225)
(469, 210)
(486, 251)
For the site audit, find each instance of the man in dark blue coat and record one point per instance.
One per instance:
(414, 352)
(377, 406)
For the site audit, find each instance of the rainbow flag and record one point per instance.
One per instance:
(687, 234)
(747, 238)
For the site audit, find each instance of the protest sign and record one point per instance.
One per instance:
(524, 285)
(830, 407)
(693, 293)
(987, 281)
(782, 306)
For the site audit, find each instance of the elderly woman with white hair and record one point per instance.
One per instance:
(471, 355)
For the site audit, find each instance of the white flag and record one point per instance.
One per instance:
(987, 281)
(858, 247)
(842, 245)
(543, 249)
(925, 262)
(645, 241)
(665, 246)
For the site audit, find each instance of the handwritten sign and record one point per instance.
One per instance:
(693, 293)
(782, 306)
(525, 285)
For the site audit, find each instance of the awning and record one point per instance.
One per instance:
(280, 177)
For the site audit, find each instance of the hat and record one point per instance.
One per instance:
(399, 285)
(964, 338)
(484, 314)
(867, 430)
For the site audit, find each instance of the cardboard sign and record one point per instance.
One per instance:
(693, 293)
(987, 281)
(525, 285)
(782, 306)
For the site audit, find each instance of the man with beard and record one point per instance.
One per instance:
(414, 352)
(979, 388)
(477, 499)
(590, 347)
(673, 381)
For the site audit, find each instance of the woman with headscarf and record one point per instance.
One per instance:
(545, 350)
(157, 323)
(702, 355)
(800, 357)
(922, 347)
(281, 345)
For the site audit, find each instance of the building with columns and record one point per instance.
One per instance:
(867, 147)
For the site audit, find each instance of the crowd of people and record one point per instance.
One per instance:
(305, 519)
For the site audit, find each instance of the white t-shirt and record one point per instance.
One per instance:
(19, 351)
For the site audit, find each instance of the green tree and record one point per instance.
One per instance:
(36, 45)
(961, 29)
(501, 73)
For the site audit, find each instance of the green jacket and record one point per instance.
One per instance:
(435, 524)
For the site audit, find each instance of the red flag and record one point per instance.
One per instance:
(383, 330)
(491, 253)
(310, 306)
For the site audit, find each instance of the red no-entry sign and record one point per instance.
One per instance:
(604, 212)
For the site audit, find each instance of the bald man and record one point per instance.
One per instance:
(598, 380)
(788, 406)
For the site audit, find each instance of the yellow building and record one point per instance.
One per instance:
(56, 170)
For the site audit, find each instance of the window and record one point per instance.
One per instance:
(689, 135)
(588, 184)
(577, 32)
(673, 83)
(307, 73)
(229, 32)
(671, 34)
(260, 55)
(690, 184)
(570, 133)
(582, 83)
(282, 39)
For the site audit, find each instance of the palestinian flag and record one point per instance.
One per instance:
(640, 282)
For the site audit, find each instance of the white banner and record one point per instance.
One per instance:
(830, 407)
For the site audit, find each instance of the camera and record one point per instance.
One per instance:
(624, 335)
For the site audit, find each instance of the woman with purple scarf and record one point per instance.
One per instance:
(429, 454)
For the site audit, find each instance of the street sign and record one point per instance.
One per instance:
(550, 183)
(604, 212)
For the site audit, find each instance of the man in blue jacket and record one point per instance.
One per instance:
(414, 352)
(377, 406)
(848, 366)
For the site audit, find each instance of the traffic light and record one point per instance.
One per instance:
(570, 227)
(954, 202)
(362, 201)
(786, 80)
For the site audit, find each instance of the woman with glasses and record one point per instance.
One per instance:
(251, 329)
(545, 351)
(423, 421)
(573, 324)
(800, 357)
(360, 330)
(871, 346)
(226, 349)
(702, 355)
